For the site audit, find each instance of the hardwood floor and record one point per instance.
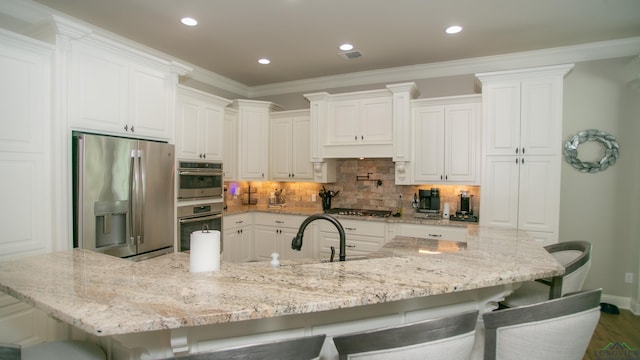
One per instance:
(612, 333)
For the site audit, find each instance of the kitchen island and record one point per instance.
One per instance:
(154, 308)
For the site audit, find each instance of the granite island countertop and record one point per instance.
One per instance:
(105, 295)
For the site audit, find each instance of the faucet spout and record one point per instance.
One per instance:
(296, 243)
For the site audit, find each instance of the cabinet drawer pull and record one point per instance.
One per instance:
(350, 246)
(350, 228)
(279, 222)
(239, 221)
(435, 235)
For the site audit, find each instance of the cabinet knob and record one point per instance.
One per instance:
(361, 137)
(516, 161)
(131, 128)
(355, 138)
(517, 149)
(522, 161)
(522, 151)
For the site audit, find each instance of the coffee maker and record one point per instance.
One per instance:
(429, 201)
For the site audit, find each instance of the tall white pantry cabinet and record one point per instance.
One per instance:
(522, 132)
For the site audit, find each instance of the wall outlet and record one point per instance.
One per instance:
(628, 278)
(313, 197)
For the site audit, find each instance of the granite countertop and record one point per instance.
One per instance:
(105, 295)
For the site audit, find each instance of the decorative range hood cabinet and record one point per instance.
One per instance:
(373, 123)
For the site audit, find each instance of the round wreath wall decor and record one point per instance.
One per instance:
(611, 150)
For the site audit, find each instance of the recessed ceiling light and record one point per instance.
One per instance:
(453, 29)
(345, 47)
(264, 61)
(189, 21)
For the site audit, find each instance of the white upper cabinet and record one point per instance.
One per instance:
(253, 133)
(120, 91)
(199, 125)
(446, 140)
(290, 158)
(526, 115)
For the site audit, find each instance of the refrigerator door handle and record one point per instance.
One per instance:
(142, 195)
(132, 194)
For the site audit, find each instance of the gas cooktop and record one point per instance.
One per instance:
(458, 216)
(358, 212)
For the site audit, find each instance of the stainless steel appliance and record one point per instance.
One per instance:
(429, 201)
(198, 217)
(200, 180)
(123, 195)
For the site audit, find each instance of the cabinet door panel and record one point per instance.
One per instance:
(301, 165)
(343, 123)
(429, 143)
(281, 149)
(254, 130)
(230, 146)
(376, 125)
(98, 92)
(265, 242)
(150, 103)
(541, 127)
(500, 192)
(461, 151)
(539, 192)
(212, 132)
(187, 129)
(502, 117)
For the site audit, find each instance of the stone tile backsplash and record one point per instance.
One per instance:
(356, 190)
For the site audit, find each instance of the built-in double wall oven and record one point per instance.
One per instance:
(200, 202)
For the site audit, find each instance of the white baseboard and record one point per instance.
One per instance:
(621, 302)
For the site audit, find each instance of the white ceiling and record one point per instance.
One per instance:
(301, 36)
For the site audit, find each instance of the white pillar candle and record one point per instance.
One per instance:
(204, 251)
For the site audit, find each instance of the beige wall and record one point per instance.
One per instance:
(602, 208)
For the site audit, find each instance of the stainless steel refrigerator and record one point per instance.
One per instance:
(123, 195)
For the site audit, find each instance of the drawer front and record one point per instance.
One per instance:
(356, 227)
(355, 244)
(235, 221)
(279, 220)
(432, 232)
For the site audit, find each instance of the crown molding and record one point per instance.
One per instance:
(551, 56)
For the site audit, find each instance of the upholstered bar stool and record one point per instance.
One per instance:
(558, 329)
(55, 350)
(575, 256)
(447, 338)
(303, 348)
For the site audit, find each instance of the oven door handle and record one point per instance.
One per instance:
(201, 218)
(196, 172)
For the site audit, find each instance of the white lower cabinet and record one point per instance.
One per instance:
(362, 237)
(433, 232)
(274, 232)
(237, 238)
